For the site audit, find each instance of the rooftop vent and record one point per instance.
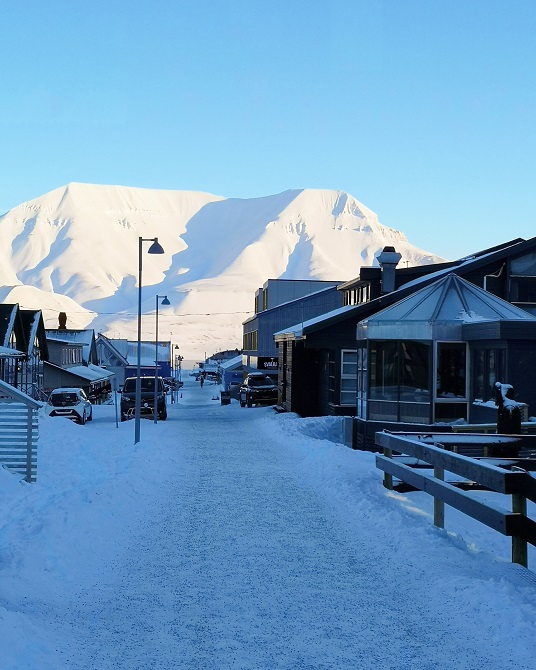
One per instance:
(388, 260)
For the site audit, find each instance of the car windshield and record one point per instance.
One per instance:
(64, 399)
(260, 381)
(147, 384)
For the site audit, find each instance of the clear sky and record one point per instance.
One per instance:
(424, 110)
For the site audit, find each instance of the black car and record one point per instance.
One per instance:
(128, 398)
(258, 389)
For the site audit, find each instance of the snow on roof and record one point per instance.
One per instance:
(232, 363)
(7, 352)
(92, 372)
(298, 329)
(78, 336)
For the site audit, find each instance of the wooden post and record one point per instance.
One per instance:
(519, 545)
(439, 505)
(387, 478)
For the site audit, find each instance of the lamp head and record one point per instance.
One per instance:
(165, 301)
(155, 247)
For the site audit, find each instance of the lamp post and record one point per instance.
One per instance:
(165, 301)
(155, 248)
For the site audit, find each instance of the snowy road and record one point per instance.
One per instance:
(237, 559)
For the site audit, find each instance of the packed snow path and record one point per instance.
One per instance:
(237, 560)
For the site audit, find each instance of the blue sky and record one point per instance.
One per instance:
(424, 110)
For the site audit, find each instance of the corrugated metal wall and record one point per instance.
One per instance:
(19, 433)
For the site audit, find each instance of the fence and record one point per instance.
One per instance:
(431, 453)
(18, 431)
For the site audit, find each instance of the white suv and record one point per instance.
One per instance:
(71, 403)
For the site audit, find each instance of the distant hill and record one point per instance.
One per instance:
(75, 249)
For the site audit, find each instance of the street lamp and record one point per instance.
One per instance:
(155, 248)
(165, 301)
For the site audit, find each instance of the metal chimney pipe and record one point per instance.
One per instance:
(388, 259)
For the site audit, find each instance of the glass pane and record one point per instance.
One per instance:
(449, 412)
(523, 289)
(383, 411)
(349, 362)
(348, 391)
(451, 370)
(383, 371)
(524, 265)
(414, 371)
(414, 412)
(479, 381)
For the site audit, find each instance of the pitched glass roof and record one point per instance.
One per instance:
(450, 300)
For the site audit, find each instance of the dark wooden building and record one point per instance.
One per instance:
(318, 361)
(23, 349)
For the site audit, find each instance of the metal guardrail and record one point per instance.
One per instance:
(428, 449)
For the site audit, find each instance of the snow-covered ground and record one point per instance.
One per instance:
(242, 538)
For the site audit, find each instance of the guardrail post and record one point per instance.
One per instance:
(519, 545)
(387, 478)
(439, 505)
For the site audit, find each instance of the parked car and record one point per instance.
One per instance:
(70, 402)
(128, 398)
(258, 389)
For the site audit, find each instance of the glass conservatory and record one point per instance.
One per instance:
(416, 363)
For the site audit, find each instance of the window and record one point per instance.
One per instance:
(362, 382)
(358, 295)
(523, 279)
(348, 376)
(414, 364)
(400, 382)
(451, 370)
(383, 371)
(489, 366)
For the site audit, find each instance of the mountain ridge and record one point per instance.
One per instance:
(80, 243)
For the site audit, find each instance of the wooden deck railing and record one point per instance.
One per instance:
(428, 449)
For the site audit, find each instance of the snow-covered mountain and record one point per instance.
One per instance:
(76, 250)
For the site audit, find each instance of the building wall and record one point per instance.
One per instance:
(521, 358)
(302, 391)
(279, 291)
(285, 316)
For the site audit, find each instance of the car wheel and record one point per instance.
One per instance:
(249, 401)
(83, 418)
(123, 417)
(242, 403)
(163, 415)
(90, 417)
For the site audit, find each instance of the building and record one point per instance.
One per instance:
(23, 349)
(73, 362)
(121, 356)
(318, 361)
(435, 357)
(111, 355)
(278, 304)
